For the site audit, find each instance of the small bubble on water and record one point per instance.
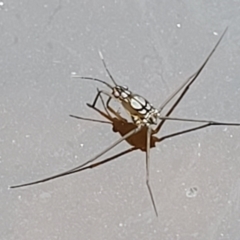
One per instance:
(191, 192)
(45, 195)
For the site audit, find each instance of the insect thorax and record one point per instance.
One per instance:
(140, 110)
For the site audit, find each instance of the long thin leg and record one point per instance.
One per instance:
(200, 121)
(157, 129)
(193, 77)
(171, 110)
(187, 86)
(134, 131)
(163, 118)
(113, 158)
(89, 119)
(78, 170)
(147, 153)
(129, 134)
(175, 93)
(189, 130)
(149, 134)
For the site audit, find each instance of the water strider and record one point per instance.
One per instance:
(138, 133)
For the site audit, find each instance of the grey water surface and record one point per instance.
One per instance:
(152, 47)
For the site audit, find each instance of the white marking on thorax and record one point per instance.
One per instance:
(140, 99)
(135, 104)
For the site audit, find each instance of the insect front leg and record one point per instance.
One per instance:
(99, 93)
(106, 106)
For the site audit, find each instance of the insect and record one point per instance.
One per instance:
(143, 115)
(140, 110)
